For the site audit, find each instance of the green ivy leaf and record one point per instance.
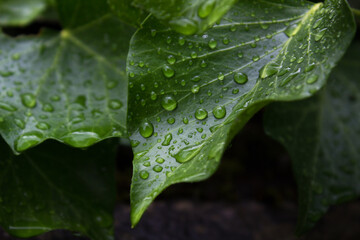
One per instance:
(70, 86)
(57, 187)
(187, 16)
(322, 137)
(20, 12)
(188, 96)
(128, 13)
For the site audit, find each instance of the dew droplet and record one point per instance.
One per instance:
(171, 59)
(196, 79)
(212, 43)
(169, 103)
(43, 126)
(81, 139)
(269, 70)
(291, 30)
(144, 174)
(219, 112)
(146, 129)
(240, 78)
(157, 168)
(193, 55)
(115, 104)
(195, 89)
(184, 26)
(201, 114)
(153, 95)
(171, 120)
(28, 100)
(168, 71)
(187, 153)
(20, 123)
(310, 67)
(221, 76)
(206, 8)
(256, 58)
(28, 140)
(312, 79)
(7, 107)
(167, 139)
(181, 41)
(320, 34)
(160, 160)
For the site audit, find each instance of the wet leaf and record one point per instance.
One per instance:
(188, 96)
(187, 16)
(57, 187)
(322, 136)
(70, 86)
(20, 12)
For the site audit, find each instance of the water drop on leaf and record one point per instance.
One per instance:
(146, 129)
(201, 114)
(219, 112)
(81, 139)
(167, 139)
(28, 100)
(184, 26)
(240, 78)
(212, 43)
(28, 140)
(168, 71)
(157, 168)
(187, 153)
(206, 8)
(169, 103)
(144, 174)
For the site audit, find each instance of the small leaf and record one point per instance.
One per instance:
(57, 187)
(70, 86)
(128, 13)
(20, 12)
(187, 17)
(322, 136)
(188, 96)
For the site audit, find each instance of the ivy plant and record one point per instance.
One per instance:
(179, 79)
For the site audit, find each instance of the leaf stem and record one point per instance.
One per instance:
(356, 12)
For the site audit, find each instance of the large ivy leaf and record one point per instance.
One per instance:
(56, 187)
(187, 16)
(188, 96)
(128, 13)
(20, 12)
(322, 136)
(70, 86)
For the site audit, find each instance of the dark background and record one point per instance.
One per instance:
(251, 197)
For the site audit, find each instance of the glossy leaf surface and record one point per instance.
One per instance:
(322, 137)
(188, 96)
(187, 16)
(70, 86)
(57, 187)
